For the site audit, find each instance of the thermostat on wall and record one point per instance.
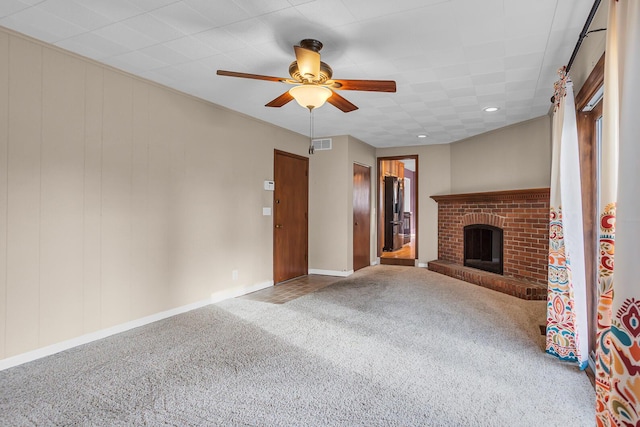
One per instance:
(269, 185)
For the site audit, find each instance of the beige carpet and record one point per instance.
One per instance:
(388, 346)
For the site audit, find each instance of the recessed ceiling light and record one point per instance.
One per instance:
(490, 109)
(422, 135)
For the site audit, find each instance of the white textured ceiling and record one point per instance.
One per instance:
(450, 58)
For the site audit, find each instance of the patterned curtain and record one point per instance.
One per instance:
(566, 300)
(618, 335)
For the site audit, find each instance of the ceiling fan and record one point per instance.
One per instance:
(313, 82)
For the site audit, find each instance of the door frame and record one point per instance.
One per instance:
(380, 201)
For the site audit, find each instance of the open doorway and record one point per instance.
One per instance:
(398, 210)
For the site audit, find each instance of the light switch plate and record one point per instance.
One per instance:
(266, 211)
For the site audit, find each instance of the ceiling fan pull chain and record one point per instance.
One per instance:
(311, 149)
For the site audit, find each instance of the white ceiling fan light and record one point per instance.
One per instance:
(310, 95)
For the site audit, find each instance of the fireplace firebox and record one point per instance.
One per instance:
(483, 247)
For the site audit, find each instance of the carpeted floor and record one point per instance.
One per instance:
(388, 346)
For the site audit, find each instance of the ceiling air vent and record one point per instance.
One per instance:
(321, 144)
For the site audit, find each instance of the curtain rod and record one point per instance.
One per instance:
(585, 31)
(583, 34)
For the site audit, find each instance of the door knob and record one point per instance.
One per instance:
(278, 225)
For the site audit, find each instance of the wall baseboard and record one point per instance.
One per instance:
(236, 292)
(49, 350)
(423, 264)
(331, 272)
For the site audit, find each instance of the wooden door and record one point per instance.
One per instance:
(361, 216)
(290, 219)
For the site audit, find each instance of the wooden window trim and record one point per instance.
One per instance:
(587, 144)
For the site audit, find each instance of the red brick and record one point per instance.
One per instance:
(525, 226)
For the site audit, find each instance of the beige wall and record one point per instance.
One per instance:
(513, 157)
(120, 198)
(434, 177)
(4, 137)
(331, 204)
(328, 207)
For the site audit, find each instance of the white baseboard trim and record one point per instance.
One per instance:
(423, 264)
(236, 292)
(376, 261)
(331, 272)
(29, 356)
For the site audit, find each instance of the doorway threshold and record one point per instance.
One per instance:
(398, 261)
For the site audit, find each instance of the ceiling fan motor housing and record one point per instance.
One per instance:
(325, 72)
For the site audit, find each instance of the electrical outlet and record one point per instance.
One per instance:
(234, 274)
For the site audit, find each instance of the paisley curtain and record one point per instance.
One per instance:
(567, 329)
(618, 334)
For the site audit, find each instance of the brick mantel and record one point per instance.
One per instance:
(523, 215)
(528, 194)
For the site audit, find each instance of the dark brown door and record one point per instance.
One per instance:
(361, 216)
(291, 227)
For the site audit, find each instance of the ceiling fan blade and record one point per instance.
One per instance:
(308, 63)
(341, 103)
(251, 76)
(281, 100)
(366, 85)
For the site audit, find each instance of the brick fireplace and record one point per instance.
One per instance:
(522, 216)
